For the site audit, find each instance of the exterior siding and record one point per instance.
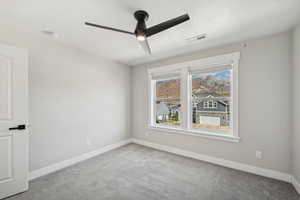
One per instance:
(221, 110)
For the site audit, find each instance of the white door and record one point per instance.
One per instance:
(13, 113)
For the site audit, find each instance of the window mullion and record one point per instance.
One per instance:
(189, 100)
(151, 100)
(184, 98)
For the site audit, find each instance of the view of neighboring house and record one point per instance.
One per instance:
(210, 101)
(211, 109)
(167, 112)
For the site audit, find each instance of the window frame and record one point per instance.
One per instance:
(185, 70)
(209, 70)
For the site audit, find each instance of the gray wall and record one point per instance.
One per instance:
(296, 107)
(74, 97)
(265, 119)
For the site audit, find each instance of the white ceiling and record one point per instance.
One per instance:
(223, 21)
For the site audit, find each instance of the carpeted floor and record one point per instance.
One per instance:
(135, 172)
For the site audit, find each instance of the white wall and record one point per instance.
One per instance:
(265, 119)
(73, 96)
(296, 107)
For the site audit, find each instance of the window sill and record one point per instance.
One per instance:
(209, 135)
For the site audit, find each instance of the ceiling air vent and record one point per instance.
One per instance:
(196, 38)
(50, 33)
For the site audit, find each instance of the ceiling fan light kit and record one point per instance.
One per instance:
(142, 32)
(140, 37)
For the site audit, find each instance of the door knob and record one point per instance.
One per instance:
(19, 127)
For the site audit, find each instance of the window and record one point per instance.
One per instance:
(212, 89)
(198, 97)
(215, 104)
(167, 102)
(207, 104)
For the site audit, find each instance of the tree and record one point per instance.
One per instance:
(176, 117)
(170, 115)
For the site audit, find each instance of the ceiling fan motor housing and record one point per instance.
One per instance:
(141, 16)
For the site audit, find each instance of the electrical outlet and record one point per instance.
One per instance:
(258, 155)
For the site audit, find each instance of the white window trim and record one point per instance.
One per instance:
(205, 64)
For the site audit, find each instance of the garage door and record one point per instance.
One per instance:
(215, 121)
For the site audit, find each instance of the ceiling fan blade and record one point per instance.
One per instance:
(108, 28)
(167, 24)
(145, 45)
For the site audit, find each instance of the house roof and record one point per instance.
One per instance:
(205, 95)
(213, 96)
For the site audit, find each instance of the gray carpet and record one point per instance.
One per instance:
(134, 172)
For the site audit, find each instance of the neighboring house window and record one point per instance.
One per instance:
(198, 97)
(210, 104)
(205, 104)
(215, 104)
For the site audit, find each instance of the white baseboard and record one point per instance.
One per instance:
(296, 184)
(218, 161)
(66, 163)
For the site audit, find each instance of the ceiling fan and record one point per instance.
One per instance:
(142, 32)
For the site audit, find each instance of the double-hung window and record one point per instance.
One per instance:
(198, 97)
